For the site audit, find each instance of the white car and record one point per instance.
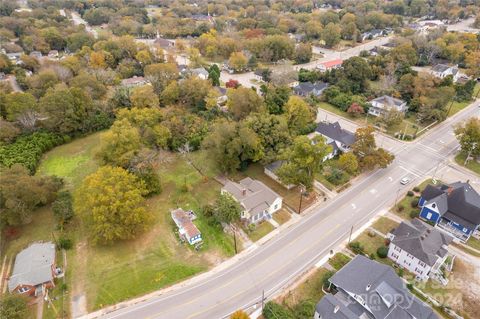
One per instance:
(405, 181)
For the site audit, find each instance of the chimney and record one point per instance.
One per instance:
(368, 287)
(449, 191)
(336, 309)
(244, 191)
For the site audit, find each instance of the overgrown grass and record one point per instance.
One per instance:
(385, 225)
(472, 165)
(260, 230)
(339, 260)
(310, 289)
(370, 243)
(282, 216)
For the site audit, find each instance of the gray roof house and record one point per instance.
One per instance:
(443, 70)
(186, 228)
(34, 267)
(135, 81)
(366, 289)
(419, 248)
(340, 139)
(258, 201)
(382, 104)
(200, 72)
(309, 88)
(454, 208)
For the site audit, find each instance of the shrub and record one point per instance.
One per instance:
(414, 214)
(64, 243)
(382, 251)
(371, 256)
(27, 150)
(400, 272)
(326, 277)
(416, 189)
(274, 310)
(414, 202)
(400, 208)
(409, 193)
(356, 247)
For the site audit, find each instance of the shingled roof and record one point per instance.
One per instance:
(421, 240)
(336, 132)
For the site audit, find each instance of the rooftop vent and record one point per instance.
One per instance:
(336, 309)
(368, 287)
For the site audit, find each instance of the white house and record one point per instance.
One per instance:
(200, 72)
(330, 65)
(186, 228)
(383, 104)
(258, 201)
(419, 248)
(340, 139)
(443, 70)
(135, 81)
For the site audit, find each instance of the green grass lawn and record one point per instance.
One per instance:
(309, 289)
(458, 106)
(259, 231)
(370, 245)
(156, 258)
(474, 243)
(339, 260)
(408, 211)
(282, 216)
(472, 165)
(385, 225)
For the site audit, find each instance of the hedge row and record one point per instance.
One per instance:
(27, 150)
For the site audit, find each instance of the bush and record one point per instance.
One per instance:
(304, 309)
(400, 272)
(416, 189)
(64, 243)
(27, 150)
(356, 247)
(400, 208)
(382, 252)
(274, 310)
(326, 277)
(14, 306)
(410, 194)
(414, 214)
(414, 202)
(63, 209)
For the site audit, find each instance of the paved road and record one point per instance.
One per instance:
(276, 263)
(77, 20)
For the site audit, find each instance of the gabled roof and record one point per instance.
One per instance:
(134, 80)
(421, 240)
(382, 291)
(387, 100)
(253, 195)
(332, 63)
(198, 71)
(33, 266)
(458, 202)
(440, 68)
(183, 220)
(336, 132)
(332, 308)
(305, 88)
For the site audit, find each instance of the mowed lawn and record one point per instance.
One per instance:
(157, 258)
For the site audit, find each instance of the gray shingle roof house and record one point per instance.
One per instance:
(382, 104)
(366, 289)
(186, 227)
(135, 81)
(339, 138)
(34, 266)
(443, 70)
(200, 72)
(258, 201)
(420, 248)
(454, 208)
(309, 88)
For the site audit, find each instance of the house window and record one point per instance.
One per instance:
(276, 206)
(429, 215)
(23, 289)
(465, 230)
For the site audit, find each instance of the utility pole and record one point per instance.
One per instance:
(301, 198)
(474, 146)
(235, 241)
(350, 237)
(263, 298)
(435, 173)
(396, 199)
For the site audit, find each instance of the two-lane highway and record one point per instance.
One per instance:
(274, 264)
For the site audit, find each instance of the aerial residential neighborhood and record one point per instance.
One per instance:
(214, 159)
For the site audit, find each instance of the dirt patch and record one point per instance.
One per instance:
(79, 305)
(468, 277)
(213, 257)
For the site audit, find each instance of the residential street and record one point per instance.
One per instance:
(276, 263)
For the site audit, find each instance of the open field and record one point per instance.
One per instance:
(259, 230)
(472, 165)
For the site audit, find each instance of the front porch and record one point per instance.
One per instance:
(446, 226)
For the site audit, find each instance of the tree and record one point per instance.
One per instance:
(300, 116)
(214, 74)
(232, 144)
(227, 209)
(161, 75)
(97, 60)
(468, 135)
(366, 151)
(238, 61)
(21, 194)
(348, 162)
(404, 54)
(120, 144)
(63, 208)
(355, 109)
(232, 84)
(303, 53)
(331, 35)
(65, 109)
(193, 91)
(14, 306)
(22, 107)
(392, 117)
(276, 97)
(273, 310)
(472, 62)
(242, 101)
(303, 159)
(239, 314)
(88, 82)
(111, 205)
(144, 96)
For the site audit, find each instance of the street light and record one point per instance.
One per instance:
(302, 190)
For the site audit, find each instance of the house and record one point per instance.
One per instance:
(308, 88)
(258, 75)
(383, 104)
(34, 269)
(258, 201)
(419, 248)
(443, 70)
(135, 81)
(453, 208)
(186, 228)
(366, 289)
(53, 54)
(36, 54)
(340, 139)
(330, 65)
(222, 96)
(271, 171)
(14, 56)
(200, 72)
(373, 34)
(164, 43)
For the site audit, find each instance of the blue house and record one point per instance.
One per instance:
(454, 208)
(186, 228)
